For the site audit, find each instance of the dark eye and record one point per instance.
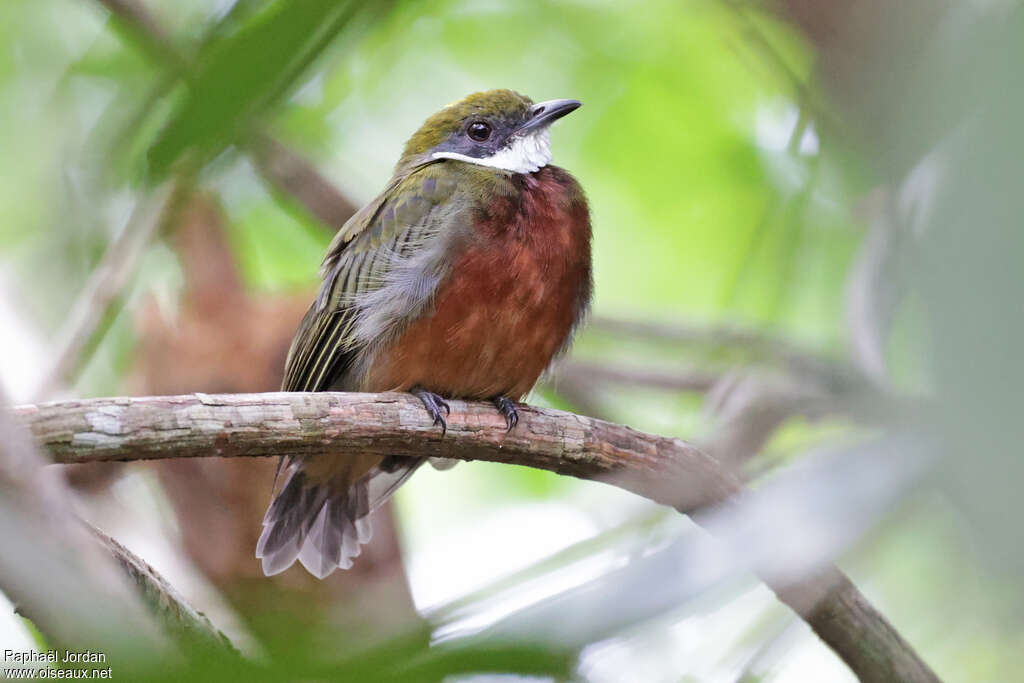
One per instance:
(479, 130)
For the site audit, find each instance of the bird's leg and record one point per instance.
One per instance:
(507, 407)
(433, 403)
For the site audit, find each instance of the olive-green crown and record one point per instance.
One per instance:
(490, 104)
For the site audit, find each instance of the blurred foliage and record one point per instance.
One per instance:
(722, 212)
(244, 69)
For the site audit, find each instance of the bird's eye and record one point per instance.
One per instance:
(479, 130)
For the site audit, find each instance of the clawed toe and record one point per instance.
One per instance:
(507, 407)
(434, 405)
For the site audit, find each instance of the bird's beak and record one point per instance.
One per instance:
(544, 114)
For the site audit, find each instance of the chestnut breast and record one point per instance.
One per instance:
(516, 289)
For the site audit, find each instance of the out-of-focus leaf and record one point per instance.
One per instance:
(404, 658)
(242, 74)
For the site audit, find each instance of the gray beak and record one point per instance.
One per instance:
(544, 114)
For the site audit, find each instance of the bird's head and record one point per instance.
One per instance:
(499, 129)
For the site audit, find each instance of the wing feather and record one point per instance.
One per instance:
(398, 231)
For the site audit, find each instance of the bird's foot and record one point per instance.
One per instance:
(434, 404)
(507, 407)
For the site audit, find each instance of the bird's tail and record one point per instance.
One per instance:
(323, 524)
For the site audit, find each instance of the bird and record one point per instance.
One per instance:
(463, 279)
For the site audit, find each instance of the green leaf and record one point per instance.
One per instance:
(239, 76)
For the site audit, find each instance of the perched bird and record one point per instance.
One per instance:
(462, 279)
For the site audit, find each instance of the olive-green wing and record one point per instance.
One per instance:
(388, 232)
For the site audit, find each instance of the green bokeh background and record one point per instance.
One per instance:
(716, 197)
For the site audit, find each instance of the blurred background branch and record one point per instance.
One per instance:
(187, 624)
(105, 286)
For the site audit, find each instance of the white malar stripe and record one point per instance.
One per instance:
(523, 154)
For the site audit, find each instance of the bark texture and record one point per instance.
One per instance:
(665, 470)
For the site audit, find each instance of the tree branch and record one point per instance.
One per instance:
(187, 624)
(759, 345)
(53, 571)
(48, 550)
(665, 470)
(693, 380)
(289, 173)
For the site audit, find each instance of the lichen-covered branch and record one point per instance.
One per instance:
(663, 469)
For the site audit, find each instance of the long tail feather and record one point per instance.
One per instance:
(321, 525)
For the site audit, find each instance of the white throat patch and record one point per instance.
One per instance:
(524, 154)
